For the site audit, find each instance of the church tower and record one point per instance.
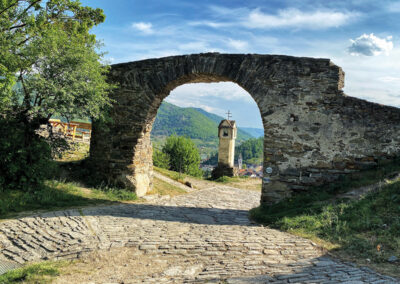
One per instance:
(227, 132)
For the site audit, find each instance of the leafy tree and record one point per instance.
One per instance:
(161, 159)
(184, 156)
(47, 48)
(251, 150)
(49, 65)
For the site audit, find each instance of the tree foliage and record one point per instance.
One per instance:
(46, 47)
(183, 155)
(161, 159)
(49, 65)
(251, 151)
(22, 167)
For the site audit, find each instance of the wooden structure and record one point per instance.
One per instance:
(73, 130)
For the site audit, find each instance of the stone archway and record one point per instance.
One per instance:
(313, 132)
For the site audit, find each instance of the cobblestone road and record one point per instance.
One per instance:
(203, 236)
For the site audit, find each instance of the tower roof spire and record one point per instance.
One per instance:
(229, 114)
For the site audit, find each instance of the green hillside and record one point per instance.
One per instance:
(193, 122)
(172, 119)
(199, 125)
(242, 133)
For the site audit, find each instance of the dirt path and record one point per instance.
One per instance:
(203, 236)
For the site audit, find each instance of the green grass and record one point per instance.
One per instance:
(366, 231)
(226, 179)
(173, 175)
(78, 151)
(55, 195)
(163, 188)
(39, 273)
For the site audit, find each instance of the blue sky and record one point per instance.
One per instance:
(361, 36)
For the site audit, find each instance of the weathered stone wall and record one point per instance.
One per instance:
(313, 132)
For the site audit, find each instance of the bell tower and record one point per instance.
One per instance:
(227, 132)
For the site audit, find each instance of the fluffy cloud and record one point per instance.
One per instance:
(194, 46)
(370, 45)
(389, 79)
(224, 90)
(210, 24)
(298, 19)
(218, 98)
(394, 7)
(240, 45)
(286, 18)
(146, 28)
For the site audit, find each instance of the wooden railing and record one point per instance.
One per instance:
(73, 130)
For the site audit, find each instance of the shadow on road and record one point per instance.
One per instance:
(183, 214)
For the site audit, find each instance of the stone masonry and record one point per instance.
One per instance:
(313, 132)
(227, 132)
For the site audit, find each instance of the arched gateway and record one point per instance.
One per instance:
(313, 131)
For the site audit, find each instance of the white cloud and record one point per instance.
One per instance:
(295, 18)
(370, 45)
(193, 46)
(218, 98)
(389, 79)
(210, 24)
(223, 90)
(375, 78)
(240, 45)
(173, 99)
(146, 28)
(394, 7)
(287, 18)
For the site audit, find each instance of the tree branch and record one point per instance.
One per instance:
(26, 96)
(16, 27)
(25, 10)
(9, 7)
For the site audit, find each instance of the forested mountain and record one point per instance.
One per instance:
(195, 123)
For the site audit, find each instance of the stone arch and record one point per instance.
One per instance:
(313, 132)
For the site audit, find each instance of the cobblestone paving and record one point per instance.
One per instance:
(204, 236)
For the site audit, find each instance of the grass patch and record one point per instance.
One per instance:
(366, 231)
(163, 188)
(39, 273)
(243, 182)
(180, 177)
(78, 151)
(55, 195)
(225, 179)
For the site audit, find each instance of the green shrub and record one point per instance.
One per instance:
(161, 159)
(184, 155)
(25, 160)
(223, 179)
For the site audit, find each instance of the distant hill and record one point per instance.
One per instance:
(193, 122)
(255, 132)
(214, 117)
